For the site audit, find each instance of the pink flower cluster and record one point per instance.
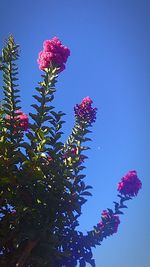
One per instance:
(84, 110)
(53, 54)
(22, 119)
(110, 222)
(130, 184)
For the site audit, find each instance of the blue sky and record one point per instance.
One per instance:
(110, 62)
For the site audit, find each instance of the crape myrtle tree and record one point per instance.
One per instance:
(41, 179)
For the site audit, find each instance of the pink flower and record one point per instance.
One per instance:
(49, 158)
(74, 151)
(84, 111)
(109, 222)
(21, 118)
(53, 54)
(130, 184)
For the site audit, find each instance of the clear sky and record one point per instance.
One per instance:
(110, 62)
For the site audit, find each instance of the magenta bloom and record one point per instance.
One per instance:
(74, 151)
(22, 120)
(109, 223)
(49, 158)
(84, 110)
(53, 54)
(130, 184)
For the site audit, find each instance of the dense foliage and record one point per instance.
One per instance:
(41, 179)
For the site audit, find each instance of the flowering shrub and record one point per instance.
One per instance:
(42, 184)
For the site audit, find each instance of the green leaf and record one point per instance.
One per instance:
(39, 99)
(4, 180)
(86, 193)
(88, 187)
